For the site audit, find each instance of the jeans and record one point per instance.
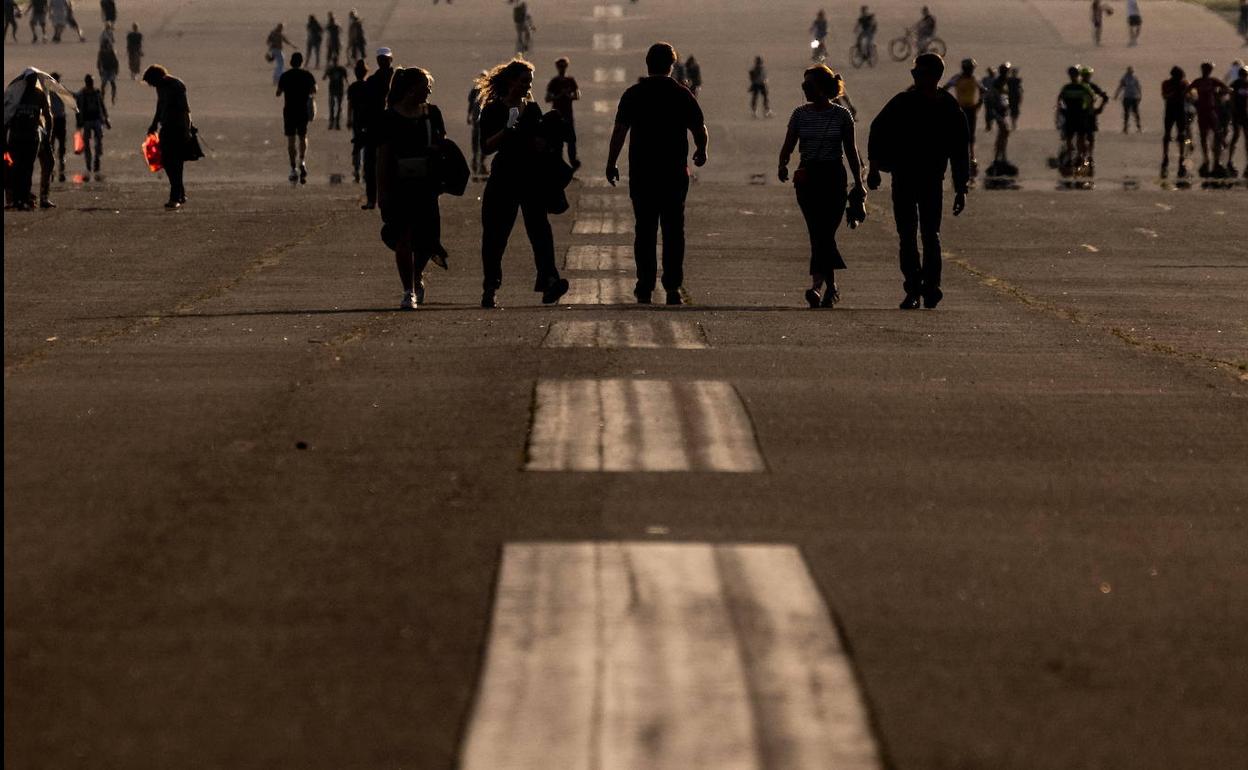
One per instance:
(655, 206)
(279, 63)
(503, 198)
(822, 197)
(93, 135)
(335, 110)
(917, 208)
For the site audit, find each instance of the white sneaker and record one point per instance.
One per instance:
(409, 302)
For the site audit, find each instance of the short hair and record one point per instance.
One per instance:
(1207, 67)
(562, 61)
(660, 58)
(296, 59)
(930, 62)
(828, 82)
(88, 79)
(154, 74)
(361, 67)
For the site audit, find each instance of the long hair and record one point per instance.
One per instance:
(495, 83)
(404, 80)
(828, 81)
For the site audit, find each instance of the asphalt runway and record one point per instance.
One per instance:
(256, 517)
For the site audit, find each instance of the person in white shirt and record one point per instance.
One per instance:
(1134, 22)
(1131, 92)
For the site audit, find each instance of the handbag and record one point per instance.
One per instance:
(194, 151)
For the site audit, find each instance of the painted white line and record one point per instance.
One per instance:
(602, 202)
(608, 12)
(1146, 232)
(602, 223)
(1090, 248)
(598, 291)
(610, 75)
(602, 106)
(670, 656)
(676, 335)
(640, 425)
(608, 41)
(599, 257)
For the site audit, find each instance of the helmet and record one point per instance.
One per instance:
(1085, 70)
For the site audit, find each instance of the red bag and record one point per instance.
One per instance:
(151, 153)
(80, 144)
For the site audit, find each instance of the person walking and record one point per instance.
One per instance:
(26, 128)
(59, 132)
(11, 15)
(969, 94)
(337, 76)
(357, 45)
(819, 37)
(511, 128)
(38, 12)
(917, 159)
(62, 14)
(276, 43)
(1175, 121)
(1239, 120)
(560, 93)
(357, 97)
(106, 61)
(1074, 104)
(1014, 85)
(693, 75)
(92, 120)
(824, 133)
(298, 86)
(656, 116)
(1242, 26)
(1099, 11)
(1209, 92)
(172, 124)
(474, 124)
(316, 34)
(1134, 22)
(108, 9)
(333, 40)
(407, 188)
(377, 89)
(1131, 91)
(134, 50)
(758, 88)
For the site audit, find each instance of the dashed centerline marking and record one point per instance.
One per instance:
(1089, 247)
(599, 258)
(675, 335)
(609, 75)
(641, 425)
(1146, 231)
(598, 291)
(665, 656)
(600, 202)
(601, 223)
(608, 12)
(608, 41)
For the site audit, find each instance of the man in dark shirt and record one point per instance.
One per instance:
(109, 9)
(134, 50)
(357, 95)
(560, 93)
(297, 85)
(915, 137)
(659, 113)
(377, 88)
(337, 76)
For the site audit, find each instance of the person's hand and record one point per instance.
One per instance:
(959, 203)
(699, 158)
(783, 173)
(613, 175)
(151, 129)
(108, 125)
(873, 179)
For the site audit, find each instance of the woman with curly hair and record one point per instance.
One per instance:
(511, 131)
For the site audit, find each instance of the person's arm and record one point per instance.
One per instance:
(697, 127)
(490, 143)
(1117, 91)
(786, 151)
(959, 155)
(576, 90)
(160, 103)
(613, 152)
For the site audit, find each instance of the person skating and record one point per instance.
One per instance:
(134, 50)
(1209, 91)
(924, 30)
(172, 124)
(1132, 92)
(1074, 107)
(824, 133)
(407, 190)
(969, 96)
(376, 92)
(474, 124)
(316, 33)
(998, 98)
(1134, 22)
(1175, 122)
(656, 116)
(758, 88)
(92, 120)
(1014, 84)
(298, 86)
(27, 124)
(276, 42)
(561, 92)
(106, 61)
(917, 160)
(333, 40)
(337, 76)
(357, 99)
(511, 124)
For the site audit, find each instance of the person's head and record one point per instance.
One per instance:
(55, 76)
(361, 69)
(660, 58)
(968, 66)
(927, 70)
(330, 17)
(88, 81)
(509, 80)
(1085, 73)
(154, 74)
(1003, 69)
(411, 85)
(821, 14)
(1130, 70)
(926, 12)
(819, 82)
(758, 61)
(1176, 73)
(385, 58)
(1073, 74)
(1206, 69)
(561, 64)
(134, 27)
(296, 60)
(312, 18)
(864, 10)
(278, 28)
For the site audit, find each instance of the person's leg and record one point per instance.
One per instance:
(754, 94)
(537, 225)
(930, 202)
(403, 260)
(370, 173)
(291, 151)
(572, 143)
(98, 130)
(303, 148)
(905, 214)
(45, 172)
(87, 137)
(766, 102)
(672, 221)
(357, 151)
(499, 205)
(645, 237)
(1003, 138)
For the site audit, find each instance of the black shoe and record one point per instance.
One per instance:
(487, 299)
(575, 164)
(643, 297)
(812, 298)
(675, 298)
(554, 290)
(830, 298)
(932, 298)
(911, 302)
(369, 206)
(171, 205)
(44, 203)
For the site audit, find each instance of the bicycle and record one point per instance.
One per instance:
(818, 51)
(904, 46)
(860, 55)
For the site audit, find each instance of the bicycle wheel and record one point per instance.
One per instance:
(899, 49)
(856, 58)
(937, 46)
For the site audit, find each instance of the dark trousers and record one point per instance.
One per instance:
(1130, 107)
(58, 142)
(502, 200)
(357, 154)
(370, 171)
(173, 157)
(658, 206)
(822, 196)
(335, 110)
(24, 152)
(916, 208)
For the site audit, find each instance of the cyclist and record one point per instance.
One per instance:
(970, 95)
(1074, 104)
(1174, 96)
(864, 31)
(819, 36)
(925, 30)
(1092, 125)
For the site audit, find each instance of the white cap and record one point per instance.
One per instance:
(383, 51)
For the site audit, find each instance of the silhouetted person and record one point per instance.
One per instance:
(656, 116)
(276, 42)
(474, 124)
(172, 122)
(758, 88)
(375, 93)
(333, 40)
(1175, 122)
(59, 132)
(1209, 92)
(560, 93)
(92, 120)
(316, 33)
(26, 141)
(10, 19)
(134, 50)
(1131, 91)
(298, 87)
(357, 98)
(357, 46)
(823, 131)
(106, 62)
(1239, 120)
(918, 134)
(108, 9)
(38, 12)
(337, 76)
(511, 130)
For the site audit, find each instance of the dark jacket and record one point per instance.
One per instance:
(173, 113)
(915, 137)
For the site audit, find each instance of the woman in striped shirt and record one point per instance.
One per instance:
(824, 131)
